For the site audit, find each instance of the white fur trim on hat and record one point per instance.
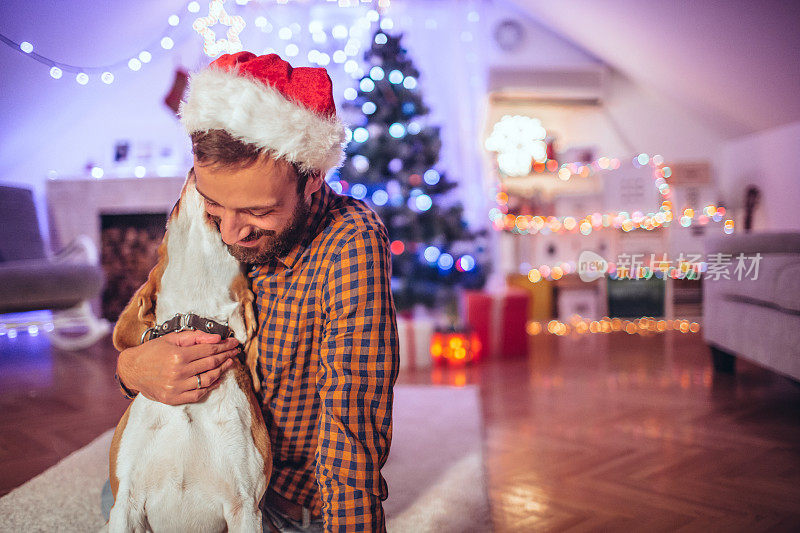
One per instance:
(259, 114)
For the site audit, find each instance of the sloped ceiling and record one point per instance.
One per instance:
(734, 63)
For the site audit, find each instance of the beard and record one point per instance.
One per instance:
(275, 244)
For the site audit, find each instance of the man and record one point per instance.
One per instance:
(263, 136)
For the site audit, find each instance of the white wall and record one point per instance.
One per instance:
(733, 62)
(631, 120)
(771, 161)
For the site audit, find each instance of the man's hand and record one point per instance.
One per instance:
(166, 369)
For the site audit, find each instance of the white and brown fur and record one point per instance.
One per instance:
(201, 466)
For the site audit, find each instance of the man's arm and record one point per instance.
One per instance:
(359, 361)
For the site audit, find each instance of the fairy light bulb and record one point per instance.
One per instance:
(380, 197)
(367, 85)
(376, 73)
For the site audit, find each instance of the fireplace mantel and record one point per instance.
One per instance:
(75, 205)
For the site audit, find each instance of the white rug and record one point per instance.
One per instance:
(435, 473)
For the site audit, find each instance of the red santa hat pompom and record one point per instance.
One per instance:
(264, 101)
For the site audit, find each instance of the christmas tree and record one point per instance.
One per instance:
(391, 163)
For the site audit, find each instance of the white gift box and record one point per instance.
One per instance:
(415, 341)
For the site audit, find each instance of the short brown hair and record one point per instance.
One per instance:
(220, 148)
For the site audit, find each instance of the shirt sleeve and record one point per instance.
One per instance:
(359, 361)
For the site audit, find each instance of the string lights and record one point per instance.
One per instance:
(502, 220)
(84, 75)
(638, 326)
(684, 270)
(31, 323)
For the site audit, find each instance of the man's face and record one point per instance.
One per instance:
(257, 209)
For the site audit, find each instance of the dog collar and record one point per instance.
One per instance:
(181, 322)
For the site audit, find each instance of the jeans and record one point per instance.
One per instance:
(282, 522)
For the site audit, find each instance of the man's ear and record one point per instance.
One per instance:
(313, 184)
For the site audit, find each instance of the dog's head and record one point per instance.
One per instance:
(140, 313)
(190, 207)
(187, 224)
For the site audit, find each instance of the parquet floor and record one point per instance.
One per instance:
(587, 433)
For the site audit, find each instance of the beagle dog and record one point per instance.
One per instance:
(201, 466)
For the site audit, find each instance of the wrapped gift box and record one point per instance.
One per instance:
(499, 319)
(540, 305)
(414, 341)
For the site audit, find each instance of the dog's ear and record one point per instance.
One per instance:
(251, 359)
(140, 313)
(145, 300)
(240, 289)
(134, 320)
(251, 346)
(250, 321)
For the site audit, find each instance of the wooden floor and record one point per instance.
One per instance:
(588, 433)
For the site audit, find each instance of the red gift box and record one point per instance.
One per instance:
(500, 321)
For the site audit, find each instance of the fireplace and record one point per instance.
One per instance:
(124, 217)
(129, 246)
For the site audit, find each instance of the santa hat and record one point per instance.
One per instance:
(262, 100)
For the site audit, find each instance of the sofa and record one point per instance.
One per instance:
(32, 280)
(757, 317)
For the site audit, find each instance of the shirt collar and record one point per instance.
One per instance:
(319, 204)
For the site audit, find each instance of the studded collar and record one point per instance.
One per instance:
(186, 321)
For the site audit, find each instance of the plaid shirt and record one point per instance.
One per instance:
(328, 360)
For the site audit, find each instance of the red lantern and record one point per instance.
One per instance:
(455, 347)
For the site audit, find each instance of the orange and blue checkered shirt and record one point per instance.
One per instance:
(328, 361)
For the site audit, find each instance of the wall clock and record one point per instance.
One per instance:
(509, 35)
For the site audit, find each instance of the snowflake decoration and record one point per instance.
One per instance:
(216, 13)
(518, 141)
